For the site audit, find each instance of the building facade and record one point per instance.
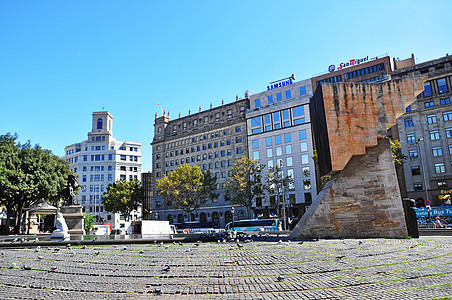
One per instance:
(356, 70)
(213, 140)
(425, 133)
(279, 134)
(146, 182)
(99, 161)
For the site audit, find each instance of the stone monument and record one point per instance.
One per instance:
(350, 122)
(72, 211)
(61, 231)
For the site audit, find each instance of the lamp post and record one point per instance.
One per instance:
(424, 178)
(232, 212)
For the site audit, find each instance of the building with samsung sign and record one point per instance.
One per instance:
(279, 133)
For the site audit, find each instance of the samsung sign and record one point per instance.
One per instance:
(279, 84)
(350, 63)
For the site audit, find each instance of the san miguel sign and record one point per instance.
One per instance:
(351, 62)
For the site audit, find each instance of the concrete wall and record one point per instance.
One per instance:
(362, 201)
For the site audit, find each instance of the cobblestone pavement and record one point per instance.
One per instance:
(325, 269)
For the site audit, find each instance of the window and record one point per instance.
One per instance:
(448, 132)
(445, 101)
(304, 159)
(269, 152)
(276, 117)
(289, 161)
(302, 90)
(239, 150)
(287, 137)
(442, 184)
(412, 154)
(437, 151)
(256, 130)
(257, 102)
(255, 155)
(279, 97)
(85, 157)
(286, 117)
(302, 134)
(429, 104)
(409, 122)
(238, 129)
(442, 85)
(427, 89)
(415, 170)
(434, 135)
(237, 140)
(277, 139)
(447, 116)
(417, 186)
(306, 172)
(289, 149)
(268, 141)
(84, 178)
(255, 144)
(257, 121)
(298, 111)
(431, 119)
(307, 184)
(304, 146)
(411, 138)
(288, 94)
(278, 151)
(440, 168)
(270, 164)
(408, 108)
(270, 99)
(99, 123)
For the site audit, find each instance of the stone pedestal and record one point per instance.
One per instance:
(362, 201)
(74, 220)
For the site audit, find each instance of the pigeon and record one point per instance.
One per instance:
(280, 278)
(188, 250)
(141, 251)
(124, 248)
(161, 243)
(279, 242)
(22, 240)
(68, 245)
(56, 249)
(84, 247)
(180, 243)
(340, 257)
(231, 248)
(197, 244)
(239, 245)
(97, 252)
(40, 257)
(301, 243)
(360, 242)
(166, 269)
(25, 267)
(3, 253)
(13, 265)
(167, 247)
(52, 269)
(218, 241)
(174, 243)
(79, 243)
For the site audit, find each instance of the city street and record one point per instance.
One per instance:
(274, 269)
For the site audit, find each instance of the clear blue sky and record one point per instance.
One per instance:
(62, 60)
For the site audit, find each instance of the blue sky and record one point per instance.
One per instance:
(62, 60)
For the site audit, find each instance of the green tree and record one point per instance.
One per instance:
(245, 185)
(123, 197)
(278, 185)
(89, 221)
(27, 174)
(187, 188)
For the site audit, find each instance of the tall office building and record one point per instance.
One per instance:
(99, 161)
(425, 132)
(279, 133)
(212, 139)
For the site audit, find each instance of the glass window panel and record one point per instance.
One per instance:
(304, 146)
(269, 152)
(270, 99)
(302, 134)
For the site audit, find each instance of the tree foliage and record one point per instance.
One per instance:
(123, 197)
(89, 221)
(187, 188)
(397, 155)
(245, 185)
(28, 174)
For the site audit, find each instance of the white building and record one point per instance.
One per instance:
(279, 133)
(99, 161)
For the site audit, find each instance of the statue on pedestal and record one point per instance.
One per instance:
(69, 197)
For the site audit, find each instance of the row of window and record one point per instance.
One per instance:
(124, 148)
(198, 139)
(187, 160)
(279, 97)
(198, 122)
(431, 103)
(441, 84)
(353, 74)
(431, 119)
(436, 151)
(440, 185)
(277, 120)
(201, 147)
(438, 167)
(100, 148)
(98, 138)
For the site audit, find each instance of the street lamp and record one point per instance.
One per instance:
(232, 212)
(424, 178)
